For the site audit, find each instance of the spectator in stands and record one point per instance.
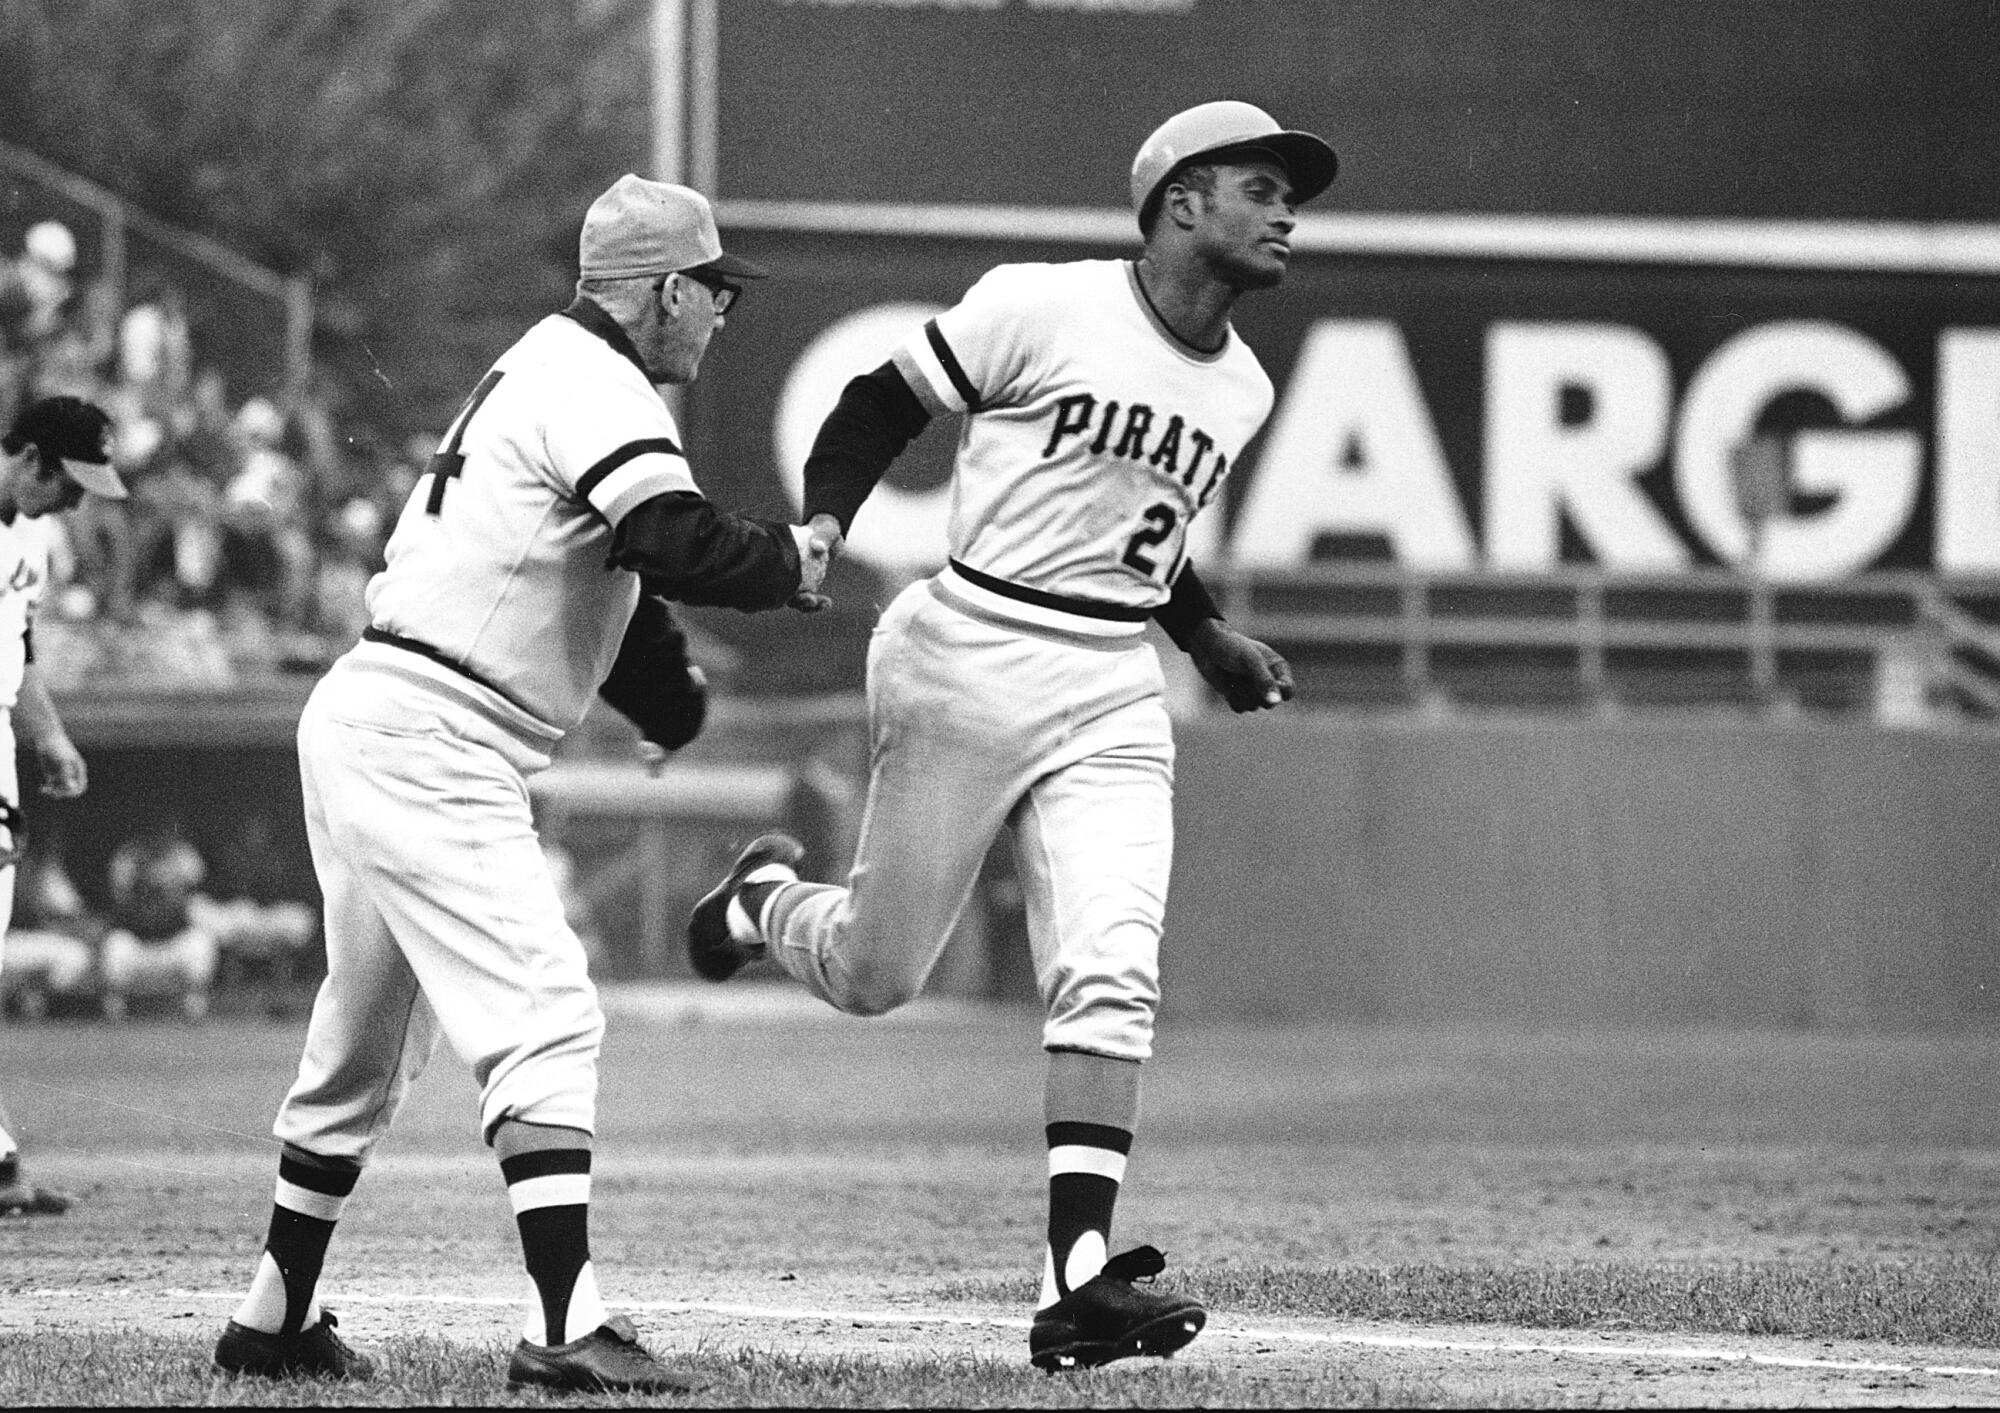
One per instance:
(156, 352)
(155, 945)
(239, 552)
(75, 359)
(267, 551)
(35, 291)
(351, 556)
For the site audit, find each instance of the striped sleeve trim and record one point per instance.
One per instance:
(635, 472)
(939, 378)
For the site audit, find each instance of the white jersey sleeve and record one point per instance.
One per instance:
(627, 451)
(980, 353)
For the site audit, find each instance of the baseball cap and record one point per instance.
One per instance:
(1212, 129)
(642, 227)
(74, 432)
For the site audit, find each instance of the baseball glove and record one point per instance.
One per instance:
(652, 684)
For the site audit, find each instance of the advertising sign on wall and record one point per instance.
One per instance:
(1461, 413)
(1620, 284)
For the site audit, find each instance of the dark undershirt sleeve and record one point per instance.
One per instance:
(684, 549)
(1189, 605)
(876, 418)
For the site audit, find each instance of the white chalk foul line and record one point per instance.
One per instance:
(1694, 1354)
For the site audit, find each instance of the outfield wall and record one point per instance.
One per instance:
(1585, 873)
(1395, 869)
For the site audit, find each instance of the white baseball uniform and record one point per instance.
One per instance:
(1015, 687)
(495, 620)
(24, 577)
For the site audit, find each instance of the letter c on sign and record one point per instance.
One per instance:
(899, 531)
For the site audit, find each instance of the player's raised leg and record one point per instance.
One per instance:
(942, 777)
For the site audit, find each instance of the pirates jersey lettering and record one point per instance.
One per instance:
(506, 571)
(1093, 435)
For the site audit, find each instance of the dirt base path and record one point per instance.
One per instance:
(881, 1320)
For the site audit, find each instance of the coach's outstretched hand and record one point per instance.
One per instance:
(819, 541)
(1249, 675)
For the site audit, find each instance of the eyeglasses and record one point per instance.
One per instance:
(725, 293)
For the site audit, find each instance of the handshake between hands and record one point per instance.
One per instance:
(819, 540)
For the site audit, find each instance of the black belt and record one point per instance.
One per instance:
(423, 649)
(1086, 608)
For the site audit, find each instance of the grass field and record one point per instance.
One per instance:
(816, 1210)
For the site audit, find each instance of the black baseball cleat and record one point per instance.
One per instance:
(316, 1353)
(1108, 1318)
(609, 1359)
(719, 947)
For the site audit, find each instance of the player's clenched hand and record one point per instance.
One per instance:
(64, 775)
(1249, 675)
(819, 540)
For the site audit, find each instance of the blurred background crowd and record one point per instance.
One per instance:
(252, 528)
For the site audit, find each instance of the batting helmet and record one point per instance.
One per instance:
(1215, 129)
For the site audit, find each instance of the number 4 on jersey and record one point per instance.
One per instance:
(448, 461)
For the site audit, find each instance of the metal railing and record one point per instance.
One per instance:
(120, 218)
(1589, 634)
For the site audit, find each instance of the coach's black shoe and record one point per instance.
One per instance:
(722, 936)
(609, 1359)
(315, 1353)
(1108, 1318)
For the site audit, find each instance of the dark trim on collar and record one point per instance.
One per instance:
(1166, 330)
(594, 317)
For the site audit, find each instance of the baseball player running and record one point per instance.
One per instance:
(529, 571)
(1104, 403)
(57, 450)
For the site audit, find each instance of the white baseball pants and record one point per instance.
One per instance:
(10, 789)
(441, 914)
(978, 725)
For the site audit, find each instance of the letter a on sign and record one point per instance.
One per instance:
(1352, 450)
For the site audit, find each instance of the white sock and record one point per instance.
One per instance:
(742, 926)
(586, 1310)
(264, 1307)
